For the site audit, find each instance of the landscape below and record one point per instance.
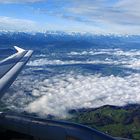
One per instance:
(63, 62)
(116, 121)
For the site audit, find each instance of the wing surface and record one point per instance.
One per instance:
(11, 66)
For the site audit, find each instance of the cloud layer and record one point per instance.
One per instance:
(57, 93)
(119, 12)
(98, 16)
(61, 93)
(127, 59)
(102, 15)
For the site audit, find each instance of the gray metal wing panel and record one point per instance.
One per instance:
(10, 68)
(9, 62)
(49, 129)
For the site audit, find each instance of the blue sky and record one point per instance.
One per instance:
(95, 16)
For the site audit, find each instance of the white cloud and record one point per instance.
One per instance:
(12, 24)
(61, 93)
(128, 59)
(98, 16)
(58, 94)
(19, 1)
(121, 17)
(65, 92)
(129, 6)
(102, 11)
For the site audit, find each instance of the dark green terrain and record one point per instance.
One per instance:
(116, 121)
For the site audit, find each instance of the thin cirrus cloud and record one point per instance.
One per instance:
(8, 23)
(98, 16)
(110, 16)
(120, 12)
(20, 1)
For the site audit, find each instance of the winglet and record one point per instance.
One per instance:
(19, 49)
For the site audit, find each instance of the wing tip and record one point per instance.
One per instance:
(19, 49)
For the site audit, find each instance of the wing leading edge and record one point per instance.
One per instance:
(11, 66)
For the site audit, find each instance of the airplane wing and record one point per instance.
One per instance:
(11, 66)
(44, 129)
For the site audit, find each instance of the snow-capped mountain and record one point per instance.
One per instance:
(71, 39)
